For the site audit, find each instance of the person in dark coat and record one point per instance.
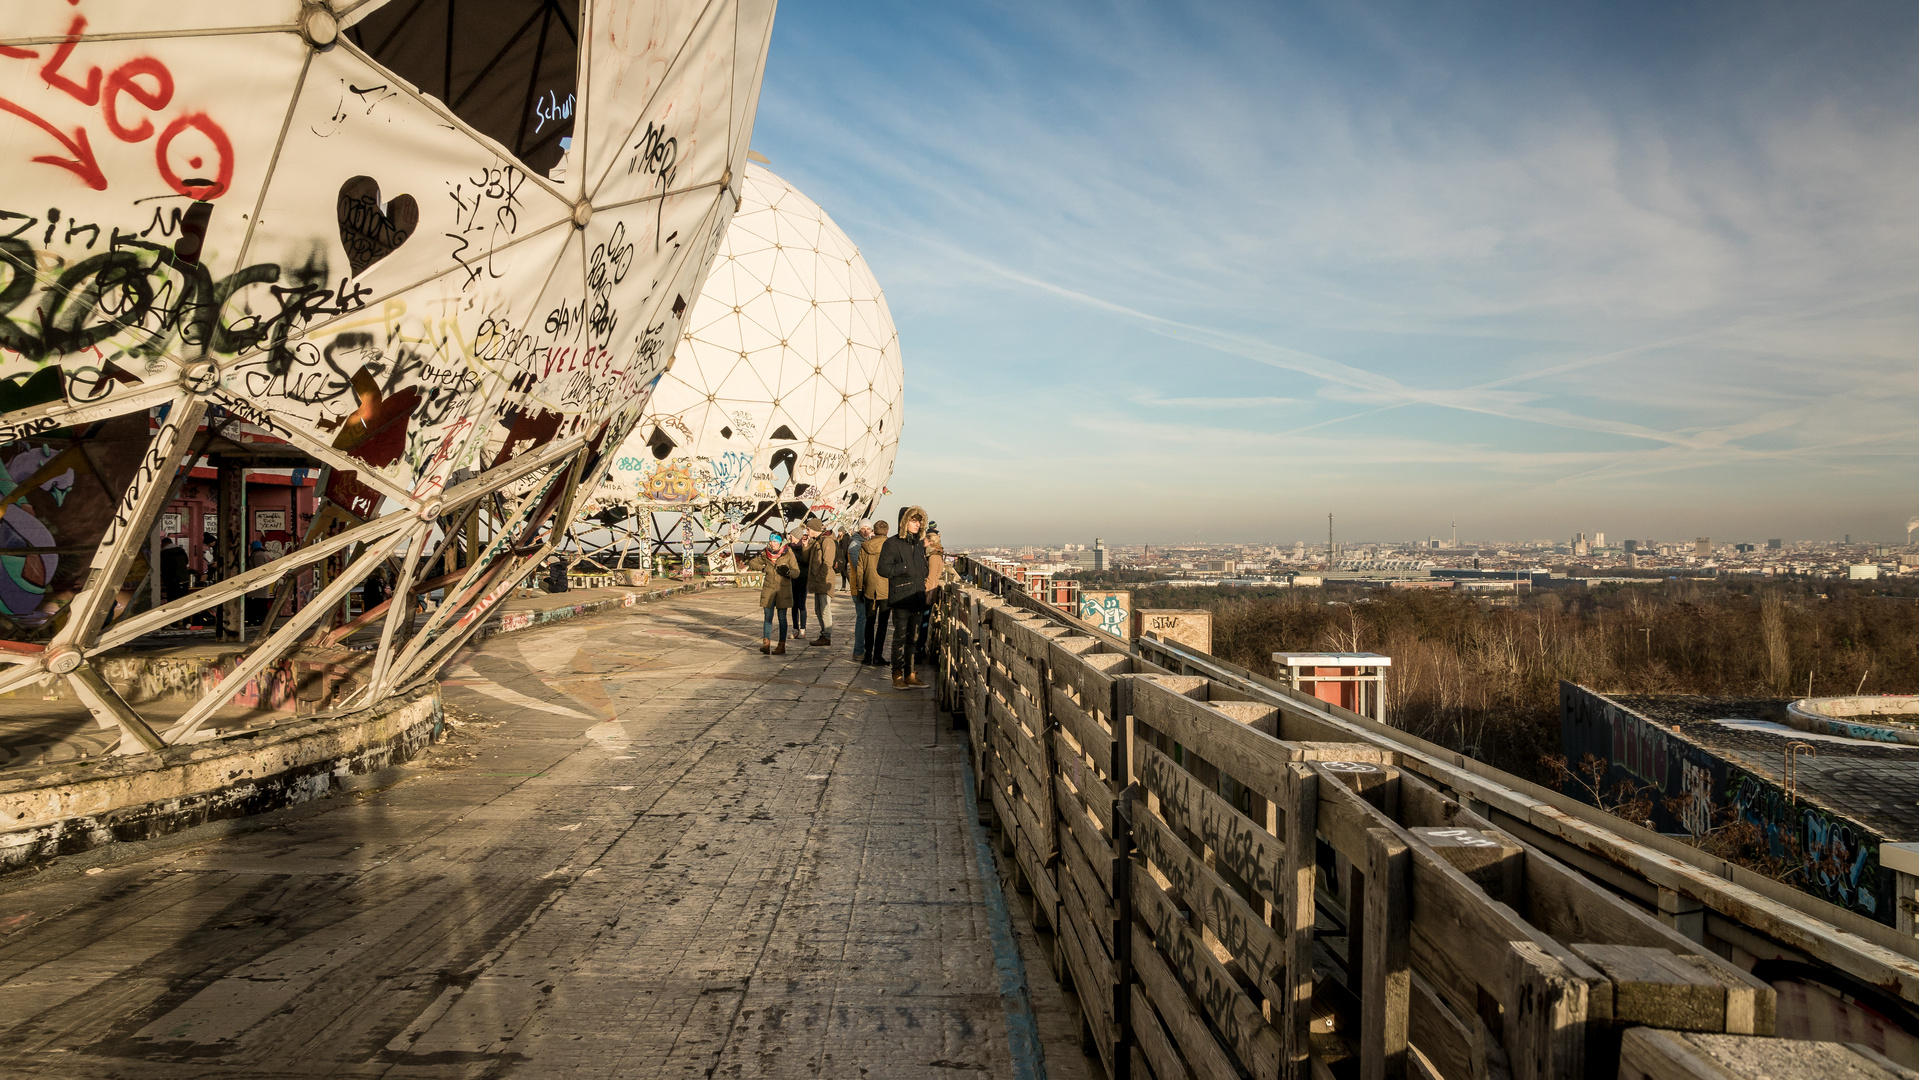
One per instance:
(800, 583)
(903, 564)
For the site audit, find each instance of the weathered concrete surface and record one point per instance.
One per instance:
(647, 851)
(73, 807)
(164, 675)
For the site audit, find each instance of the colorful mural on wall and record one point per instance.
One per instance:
(1694, 790)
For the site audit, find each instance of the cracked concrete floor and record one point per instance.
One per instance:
(646, 851)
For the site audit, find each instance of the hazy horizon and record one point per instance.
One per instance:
(1644, 269)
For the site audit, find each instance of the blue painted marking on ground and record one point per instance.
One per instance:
(1022, 1032)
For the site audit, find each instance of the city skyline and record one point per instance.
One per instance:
(1646, 266)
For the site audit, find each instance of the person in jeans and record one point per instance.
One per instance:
(873, 587)
(903, 564)
(819, 555)
(855, 552)
(780, 566)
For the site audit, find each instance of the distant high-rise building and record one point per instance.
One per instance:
(1632, 546)
(1099, 554)
(1580, 546)
(1702, 547)
(1599, 539)
(1775, 545)
(1632, 558)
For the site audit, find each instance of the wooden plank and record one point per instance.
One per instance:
(1649, 1054)
(1035, 638)
(1017, 745)
(1089, 790)
(1238, 843)
(1296, 914)
(1008, 659)
(1041, 881)
(1256, 760)
(1463, 940)
(1085, 729)
(1033, 829)
(1094, 918)
(1002, 812)
(1197, 1046)
(1572, 909)
(1435, 1031)
(1234, 1014)
(1014, 700)
(1345, 818)
(1085, 834)
(1653, 986)
(1081, 896)
(1094, 979)
(1299, 723)
(1387, 986)
(1152, 1041)
(1489, 860)
(1244, 934)
(1094, 674)
(1546, 1009)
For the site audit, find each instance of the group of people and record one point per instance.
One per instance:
(893, 581)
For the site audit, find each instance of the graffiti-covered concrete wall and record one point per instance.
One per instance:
(1694, 790)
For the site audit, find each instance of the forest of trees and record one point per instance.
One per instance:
(1482, 677)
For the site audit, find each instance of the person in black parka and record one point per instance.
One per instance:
(903, 564)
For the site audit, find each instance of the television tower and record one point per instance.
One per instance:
(1455, 534)
(1329, 540)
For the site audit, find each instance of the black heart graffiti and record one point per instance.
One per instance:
(368, 233)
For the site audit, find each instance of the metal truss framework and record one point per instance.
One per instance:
(501, 525)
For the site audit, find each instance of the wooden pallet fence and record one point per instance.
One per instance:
(1086, 697)
(1239, 887)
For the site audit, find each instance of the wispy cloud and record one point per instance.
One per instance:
(1503, 258)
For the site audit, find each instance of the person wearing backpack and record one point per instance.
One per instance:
(903, 564)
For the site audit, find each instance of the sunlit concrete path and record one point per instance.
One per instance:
(647, 850)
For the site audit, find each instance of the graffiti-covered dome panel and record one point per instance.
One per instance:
(415, 264)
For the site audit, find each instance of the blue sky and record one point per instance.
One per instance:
(1171, 270)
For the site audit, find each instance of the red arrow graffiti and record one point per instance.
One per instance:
(82, 164)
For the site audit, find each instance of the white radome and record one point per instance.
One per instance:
(784, 397)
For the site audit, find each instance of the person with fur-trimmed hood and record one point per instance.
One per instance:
(903, 565)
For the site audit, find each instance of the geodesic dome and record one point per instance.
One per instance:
(426, 257)
(785, 396)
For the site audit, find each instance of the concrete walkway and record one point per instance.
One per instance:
(646, 850)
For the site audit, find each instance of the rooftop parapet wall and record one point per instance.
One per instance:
(1891, 718)
(1695, 790)
(73, 807)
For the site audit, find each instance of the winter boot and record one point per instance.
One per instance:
(913, 679)
(899, 681)
(766, 645)
(780, 649)
(825, 638)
